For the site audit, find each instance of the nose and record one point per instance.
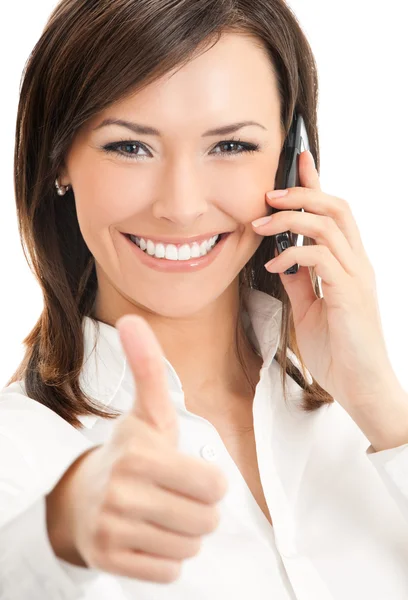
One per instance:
(182, 197)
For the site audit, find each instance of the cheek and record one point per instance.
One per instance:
(104, 201)
(245, 208)
(245, 197)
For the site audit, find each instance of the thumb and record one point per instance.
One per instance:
(144, 354)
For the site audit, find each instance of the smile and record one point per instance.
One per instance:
(177, 258)
(176, 251)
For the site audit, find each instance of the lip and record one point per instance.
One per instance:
(175, 266)
(179, 241)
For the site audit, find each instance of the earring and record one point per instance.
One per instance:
(61, 189)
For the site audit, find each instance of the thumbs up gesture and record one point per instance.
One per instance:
(142, 505)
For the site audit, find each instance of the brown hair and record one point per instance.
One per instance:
(90, 55)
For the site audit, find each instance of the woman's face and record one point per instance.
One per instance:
(179, 184)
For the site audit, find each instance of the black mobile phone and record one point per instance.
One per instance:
(296, 142)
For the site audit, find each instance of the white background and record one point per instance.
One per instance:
(361, 50)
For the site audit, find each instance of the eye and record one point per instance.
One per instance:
(132, 147)
(246, 147)
(129, 147)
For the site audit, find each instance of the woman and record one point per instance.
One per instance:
(153, 445)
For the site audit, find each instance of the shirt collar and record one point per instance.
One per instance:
(105, 369)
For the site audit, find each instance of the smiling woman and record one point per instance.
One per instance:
(147, 136)
(176, 91)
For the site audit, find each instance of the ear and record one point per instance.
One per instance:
(63, 175)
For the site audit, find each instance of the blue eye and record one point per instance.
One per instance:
(131, 145)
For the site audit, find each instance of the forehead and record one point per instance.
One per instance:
(235, 74)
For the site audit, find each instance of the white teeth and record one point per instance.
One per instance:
(171, 252)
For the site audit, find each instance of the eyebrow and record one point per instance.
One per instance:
(147, 130)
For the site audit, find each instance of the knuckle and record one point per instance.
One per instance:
(143, 463)
(118, 468)
(103, 536)
(135, 459)
(344, 206)
(123, 462)
(113, 498)
(132, 447)
(323, 251)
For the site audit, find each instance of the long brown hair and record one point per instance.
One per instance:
(90, 55)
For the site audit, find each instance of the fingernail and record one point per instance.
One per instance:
(270, 263)
(262, 221)
(277, 194)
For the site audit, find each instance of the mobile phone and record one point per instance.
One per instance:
(296, 142)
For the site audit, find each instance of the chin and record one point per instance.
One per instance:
(176, 302)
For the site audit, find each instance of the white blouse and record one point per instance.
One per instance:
(339, 510)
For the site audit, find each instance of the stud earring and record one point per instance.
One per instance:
(61, 189)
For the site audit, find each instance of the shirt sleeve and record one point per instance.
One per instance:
(392, 467)
(36, 448)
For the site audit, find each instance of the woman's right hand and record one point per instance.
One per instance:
(141, 506)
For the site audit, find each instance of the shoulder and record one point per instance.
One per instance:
(39, 446)
(35, 439)
(23, 418)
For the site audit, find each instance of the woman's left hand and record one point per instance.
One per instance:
(339, 336)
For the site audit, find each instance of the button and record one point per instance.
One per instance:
(208, 452)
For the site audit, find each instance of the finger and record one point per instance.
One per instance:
(299, 287)
(145, 356)
(166, 509)
(139, 565)
(145, 537)
(186, 475)
(319, 203)
(326, 265)
(320, 228)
